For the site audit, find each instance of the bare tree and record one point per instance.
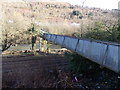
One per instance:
(81, 19)
(13, 31)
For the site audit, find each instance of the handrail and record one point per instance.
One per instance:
(98, 41)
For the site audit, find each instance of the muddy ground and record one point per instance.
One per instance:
(31, 71)
(51, 71)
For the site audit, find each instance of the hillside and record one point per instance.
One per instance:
(55, 11)
(52, 16)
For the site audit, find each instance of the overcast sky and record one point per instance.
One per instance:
(104, 4)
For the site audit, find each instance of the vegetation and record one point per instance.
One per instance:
(76, 12)
(90, 14)
(54, 17)
(14, 32)
(98, 33)
(79, 64)
(34, 37)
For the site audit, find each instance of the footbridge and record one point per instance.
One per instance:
(107, 54)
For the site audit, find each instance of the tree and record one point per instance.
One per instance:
(90, 14)
(13, 30)
(6, 43)
(7, 35)
(34, 36)
(34, 33)
(76, 12)
(99, 33)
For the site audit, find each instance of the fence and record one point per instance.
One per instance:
(106, 54)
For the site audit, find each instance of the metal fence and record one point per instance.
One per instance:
(106, 54)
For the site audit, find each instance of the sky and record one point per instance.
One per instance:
(104, 4)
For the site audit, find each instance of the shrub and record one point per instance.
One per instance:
(76, 12)
(90, 14)
(115, 33)
(98, 33)
(80, 17)
(79, 64)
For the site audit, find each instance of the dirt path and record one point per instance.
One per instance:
(50, 71)
(31, 71)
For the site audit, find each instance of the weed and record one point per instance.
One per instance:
(79, 64)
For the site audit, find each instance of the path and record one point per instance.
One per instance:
(30, 71)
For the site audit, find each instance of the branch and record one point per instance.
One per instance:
(6, 47)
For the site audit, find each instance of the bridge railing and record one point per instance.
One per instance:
(106, 54)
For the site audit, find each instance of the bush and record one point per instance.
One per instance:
(77, 13)
(115, 33)
(79, 64)
(98, 33)
(90, 14)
